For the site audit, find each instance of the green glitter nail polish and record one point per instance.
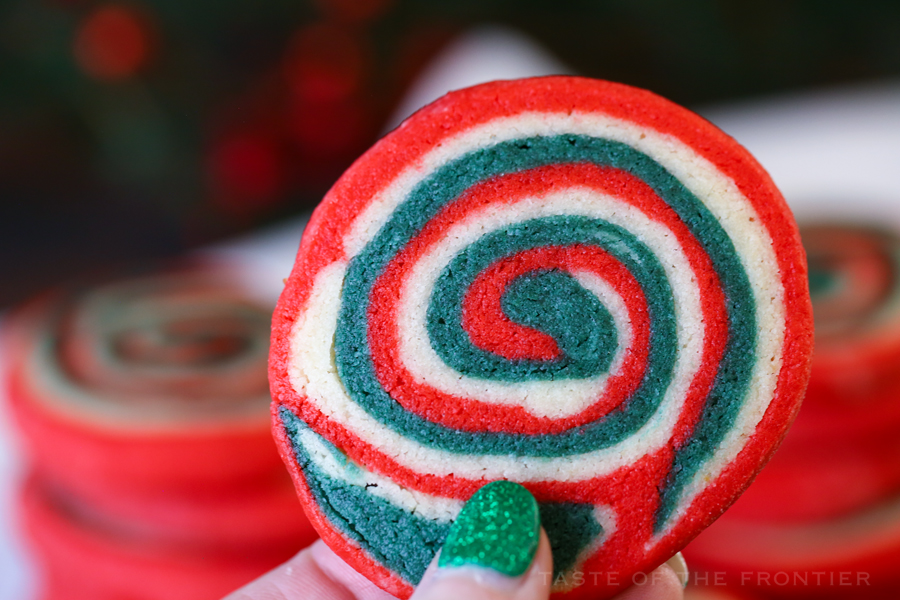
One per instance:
(498, 528)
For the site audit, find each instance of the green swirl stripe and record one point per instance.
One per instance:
(386, 531)
(823, 282)
(550, 301)
(618, 425)
(448, 183)
(451, 341)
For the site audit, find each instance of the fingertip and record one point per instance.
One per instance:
(479, 583)
(664, 583)
(540, 577)
(680, 566)
(343, 577)
(495, 549)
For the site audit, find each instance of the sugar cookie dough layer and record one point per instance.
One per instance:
(562, 282)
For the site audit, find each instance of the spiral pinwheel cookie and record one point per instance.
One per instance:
(147, 383)
(567, 283)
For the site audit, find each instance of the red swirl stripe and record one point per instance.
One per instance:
(322, 245)
(491, 330)
(633, 541)
(472, 415)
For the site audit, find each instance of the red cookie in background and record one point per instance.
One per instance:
(854, 556)
(85, 558)
(153, 382)
(855, 287)
(264, 516)
(816, 479)
(711, 590)
(568, 283)
(143, 402)
(842, 455)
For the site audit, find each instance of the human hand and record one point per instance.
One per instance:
(496, 550)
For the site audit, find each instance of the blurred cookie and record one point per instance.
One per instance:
(142, 384)
(85, 558)
(855, 289)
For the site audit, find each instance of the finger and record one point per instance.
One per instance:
(344, 575)
(495, 550)
(479, 583)
(315, 573)
(679, 566)
(665, 583)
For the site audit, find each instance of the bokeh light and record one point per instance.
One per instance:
(325, 63)
(113, 42)
(247, 172)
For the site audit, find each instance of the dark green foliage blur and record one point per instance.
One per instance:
(95, 170)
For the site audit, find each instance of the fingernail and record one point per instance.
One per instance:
(499, 528)
(679, 565)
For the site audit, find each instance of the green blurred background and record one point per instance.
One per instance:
(137, 130)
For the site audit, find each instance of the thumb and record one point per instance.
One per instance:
(495, 550)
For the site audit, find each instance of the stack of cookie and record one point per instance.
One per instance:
(144, 407)
(823, 518)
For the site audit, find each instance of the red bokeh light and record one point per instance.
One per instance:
(113, 42)
(328, 130)
(247, 172)
(325, 63)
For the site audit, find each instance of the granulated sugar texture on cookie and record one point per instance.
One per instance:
(571, 284)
